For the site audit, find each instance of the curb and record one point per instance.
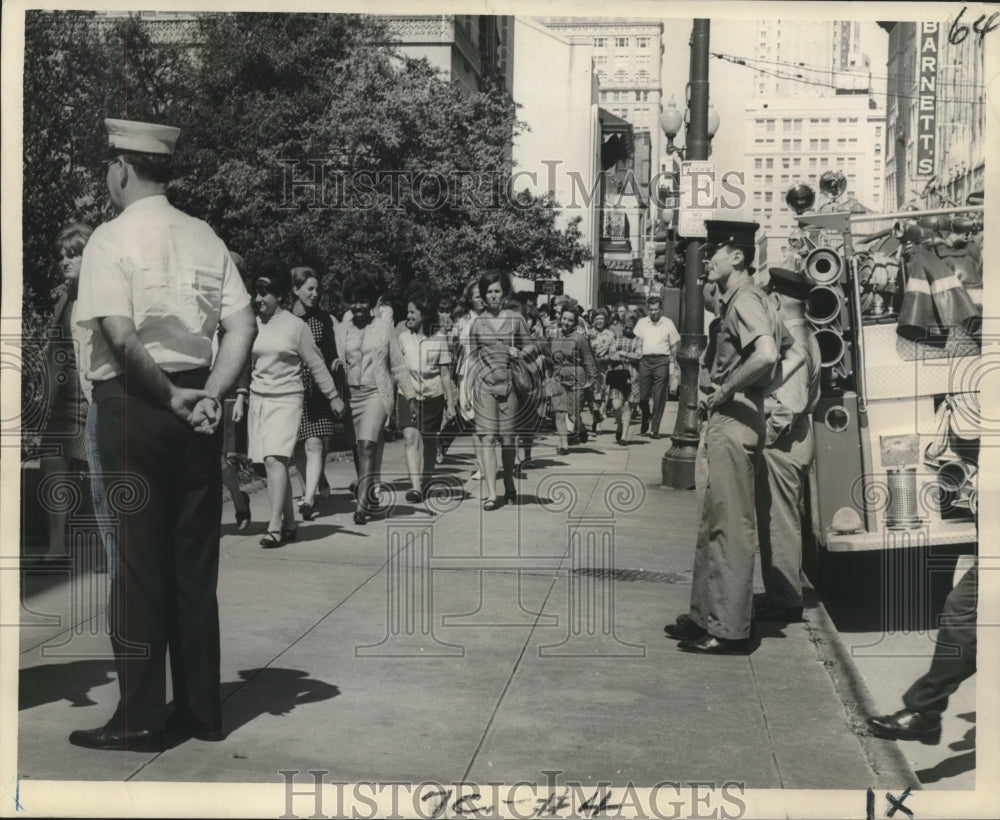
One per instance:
(886, 759)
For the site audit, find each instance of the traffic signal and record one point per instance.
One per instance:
(661, 250)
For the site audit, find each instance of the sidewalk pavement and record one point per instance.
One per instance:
(468, 645)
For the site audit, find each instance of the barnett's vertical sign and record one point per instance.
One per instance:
(927, 99)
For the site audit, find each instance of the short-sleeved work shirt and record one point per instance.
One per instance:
(745, 315)
(166, 271)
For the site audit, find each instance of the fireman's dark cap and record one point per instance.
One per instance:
(722, 232)
(789, 283)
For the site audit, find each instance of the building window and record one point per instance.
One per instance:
(786, 145)
(600, 42)
(814, 145)
(878, 130)
(770, 126)
(759, 141)
(786, 125)
(600, 60)
(768, 196)
(758, 163)
(797, 145)
(784, 162)
(769, 179)
(797, 162)
(812, 162)
(642, 42)
(797, 126)
(621, 42)
(878, 149)
(638, 96)
(824, 145)
(642, 59)
(770, 162)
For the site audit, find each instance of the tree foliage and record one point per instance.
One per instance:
(412, 173)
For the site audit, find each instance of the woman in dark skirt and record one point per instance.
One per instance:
(318, 423)
(428, 399)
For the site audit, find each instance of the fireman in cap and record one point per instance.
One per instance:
(789, 449)
(155, 285)
(749, 345)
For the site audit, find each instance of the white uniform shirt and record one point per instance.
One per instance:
(166, 271)
(656, 339)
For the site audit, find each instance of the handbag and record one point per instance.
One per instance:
(552, 387)
(521, 379)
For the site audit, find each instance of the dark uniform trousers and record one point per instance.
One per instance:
(722, 584)
(168, 526)
(654, 371)
(954, 651)
(779, 512)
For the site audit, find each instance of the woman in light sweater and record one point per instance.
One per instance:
(284, 345)
(373, 364)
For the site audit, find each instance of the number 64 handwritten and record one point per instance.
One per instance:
(957, 33)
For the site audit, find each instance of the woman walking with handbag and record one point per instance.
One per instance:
(573, 366)
(497, 337)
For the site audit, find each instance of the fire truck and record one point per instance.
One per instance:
(896, 308)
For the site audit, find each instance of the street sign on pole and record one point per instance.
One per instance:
(697, 197)
(549, 287)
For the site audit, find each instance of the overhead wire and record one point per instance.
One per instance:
(832, 70)
(741, 61)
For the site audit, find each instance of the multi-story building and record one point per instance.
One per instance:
(807, 58)
(628, 59)
(936, 113)
(791, 140)
(811, 111)
(580, 153)
(471, 49)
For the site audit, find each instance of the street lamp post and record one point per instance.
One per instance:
(678, 466)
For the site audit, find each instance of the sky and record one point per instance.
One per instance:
(729, 84)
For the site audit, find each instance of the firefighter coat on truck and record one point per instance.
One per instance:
(941, 291)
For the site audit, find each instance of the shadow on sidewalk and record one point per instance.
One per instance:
(270, 691)
(72, 681)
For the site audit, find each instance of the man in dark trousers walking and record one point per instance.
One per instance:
(954, 661)
(155, 284)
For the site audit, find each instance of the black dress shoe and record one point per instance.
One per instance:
(785, 614)
(684, 629)
(200, 730)
(710, 645)
(907, 725)
(119, 740)
(654, 435)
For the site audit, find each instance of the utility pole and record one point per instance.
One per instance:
(678, 462)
